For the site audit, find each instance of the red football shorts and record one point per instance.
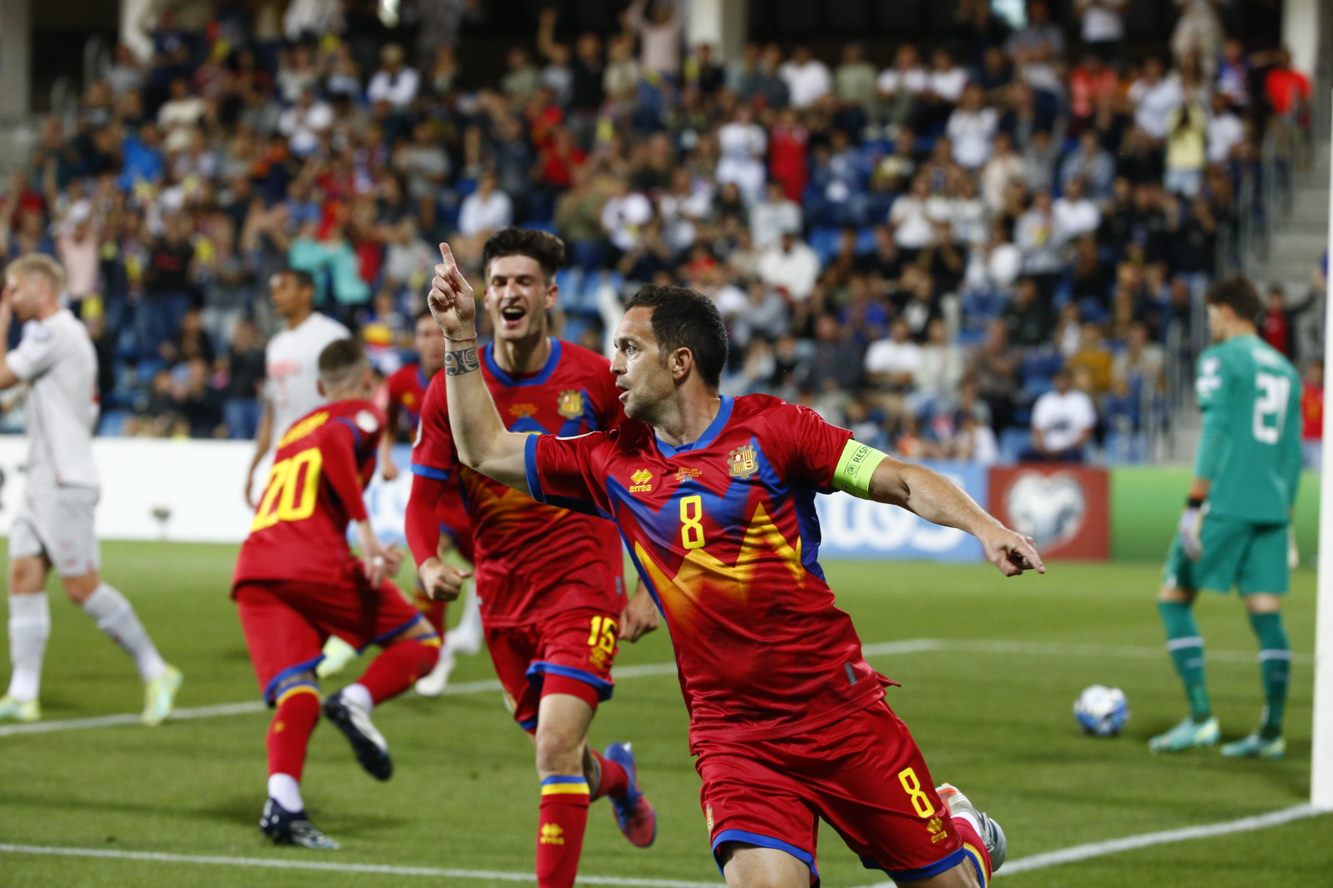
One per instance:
(863, 774)
(568, 654)
(287, 624)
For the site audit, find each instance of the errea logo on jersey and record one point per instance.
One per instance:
(642, 481)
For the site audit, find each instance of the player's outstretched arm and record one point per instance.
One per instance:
(936, 498)
(483, 442)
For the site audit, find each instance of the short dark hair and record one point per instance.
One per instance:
(303, 278)
(340, 360)
(546, 248)
(1239, 294)
(684, 318)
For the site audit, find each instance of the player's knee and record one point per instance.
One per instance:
(27, 576)
(559, 750)
(1173, 594)
(80, 588)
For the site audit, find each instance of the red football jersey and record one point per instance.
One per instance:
(407, 389)
(724, 533)
(532, 559)
(314, 490)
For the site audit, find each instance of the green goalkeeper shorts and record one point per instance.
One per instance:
(1252, 557)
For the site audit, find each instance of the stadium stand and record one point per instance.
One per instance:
(1019, 199)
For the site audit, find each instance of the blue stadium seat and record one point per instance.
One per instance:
(1013, 441)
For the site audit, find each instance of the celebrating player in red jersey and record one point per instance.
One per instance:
(297, 582)
(407, 394)
(715, 497)
(549, 580)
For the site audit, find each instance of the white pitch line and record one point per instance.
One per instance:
(1079, 853)
(1166, 837)
(375, 869)
(644, 670)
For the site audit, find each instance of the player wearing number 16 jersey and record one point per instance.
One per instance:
(715, 498)
(297, 583)
(1234, 530)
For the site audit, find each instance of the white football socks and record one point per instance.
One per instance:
(29, 628)
(116, 617)
(284, 790)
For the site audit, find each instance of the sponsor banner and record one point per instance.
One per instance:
(153, 489)
(857, 528)
(191, 491)
(1066, 509)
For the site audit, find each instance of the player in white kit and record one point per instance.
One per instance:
(291, 364)
(53, 526)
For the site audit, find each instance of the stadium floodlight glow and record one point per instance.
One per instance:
(1321, 748)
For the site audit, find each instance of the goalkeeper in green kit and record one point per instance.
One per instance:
(1234, 530)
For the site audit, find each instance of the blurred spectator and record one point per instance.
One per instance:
(1074, 213)
(790, 266)
(1102, 25)
(1277, 323)
(1092, 359)
(1154, 96)
(1063, 421)
(854, 78)
(1198, 32)
(1186, 148)
(1041, 36)
(1028, 316)
(893, 369)
(1090, 163)
(808, 79)
(245, 379)
(1312, 415)
(773, 217)
(971, 128)
(394, 83)
(660, 29)
(1226, 131)
(835, 365)
(483, 212)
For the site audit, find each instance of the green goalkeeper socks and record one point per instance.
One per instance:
(1275, 666)
(1186, 648)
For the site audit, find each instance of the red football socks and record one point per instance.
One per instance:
(614, 782)
(974, 846)
(399, 666)
(289, 733)
(562, 821)
(434, 611)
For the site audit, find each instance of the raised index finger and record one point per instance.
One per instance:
(447, 254)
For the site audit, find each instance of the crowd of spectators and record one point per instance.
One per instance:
(919, 246)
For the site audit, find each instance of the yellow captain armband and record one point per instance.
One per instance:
(855, 468)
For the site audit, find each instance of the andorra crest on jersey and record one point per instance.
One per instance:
(570, 404)
(742, 462)
(641, 481)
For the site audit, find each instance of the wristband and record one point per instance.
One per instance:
(1194, 502)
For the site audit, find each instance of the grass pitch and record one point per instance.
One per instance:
(990, 705)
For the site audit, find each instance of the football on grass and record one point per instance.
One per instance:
(1101, 710)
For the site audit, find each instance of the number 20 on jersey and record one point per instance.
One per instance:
(296, 474)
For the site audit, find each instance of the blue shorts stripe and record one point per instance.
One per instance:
(934, 869)
(540, 669)
(271, 690)
(762, 841)
(394, 633)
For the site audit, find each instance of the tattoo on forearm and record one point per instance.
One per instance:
(457, 363)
